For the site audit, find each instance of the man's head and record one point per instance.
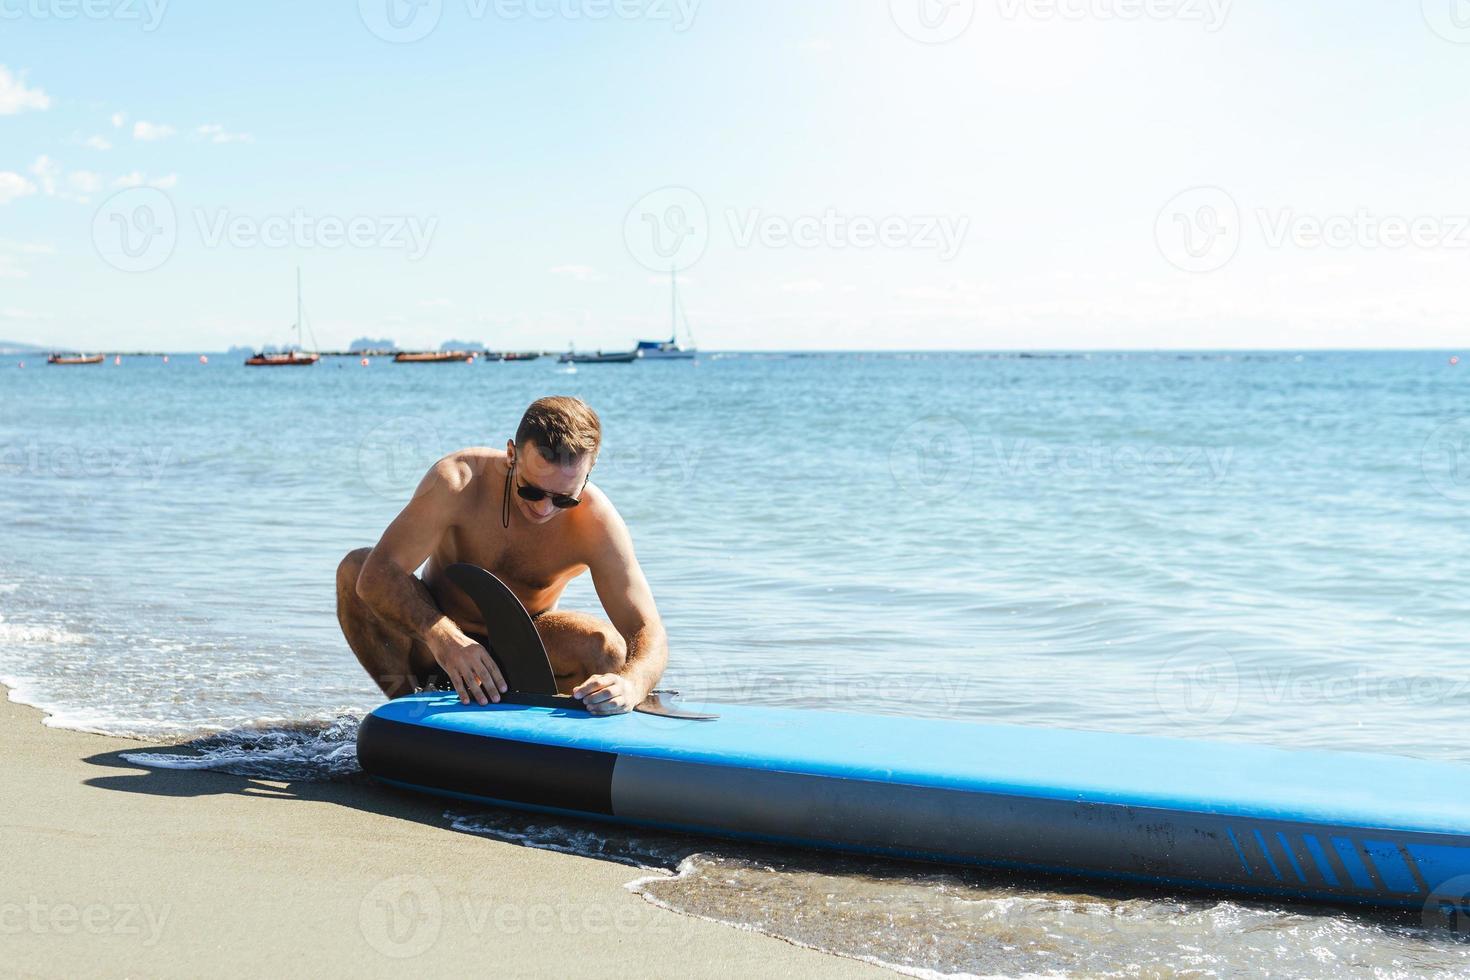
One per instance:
(554, 450)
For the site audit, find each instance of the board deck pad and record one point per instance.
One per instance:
(1320, 826)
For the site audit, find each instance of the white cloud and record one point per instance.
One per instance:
(84, 182)
(47, 171)
(16, 97)
(137, 179)
(436, 304)
(149, 132)
(118, 118)
(13, 185)
(216, 133)
(98, 143)
(581, 273)
(9, 270)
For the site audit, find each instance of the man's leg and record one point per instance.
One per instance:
(580, 645)
(398, 663)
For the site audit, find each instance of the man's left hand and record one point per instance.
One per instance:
(609, 694)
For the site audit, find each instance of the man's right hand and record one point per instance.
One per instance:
(467, 664)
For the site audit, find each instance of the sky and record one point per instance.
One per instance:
(829, 174)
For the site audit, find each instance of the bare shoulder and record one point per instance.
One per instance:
(459, 471)
(600, 527)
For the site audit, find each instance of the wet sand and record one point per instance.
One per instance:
(117, 870)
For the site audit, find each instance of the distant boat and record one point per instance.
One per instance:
(524, 355)
(671, 349)
(74, 359)
(433, 357)
(491, 355)
(291, 358)
(598, 357)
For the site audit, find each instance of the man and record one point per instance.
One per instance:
(531, 516)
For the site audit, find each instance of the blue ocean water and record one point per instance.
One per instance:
(1259, 546)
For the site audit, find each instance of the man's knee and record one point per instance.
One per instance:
(609, 652)
(348, 571)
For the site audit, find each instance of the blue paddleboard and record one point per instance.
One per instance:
(1320, 826)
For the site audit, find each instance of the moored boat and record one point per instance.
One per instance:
(294, 356)
(433, 357)
(671, 349)
(74, 359)
(598, 357)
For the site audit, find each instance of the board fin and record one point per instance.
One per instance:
(513, 640)
(517, 648)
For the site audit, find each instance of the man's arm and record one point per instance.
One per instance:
(628, 602)
(386, 584)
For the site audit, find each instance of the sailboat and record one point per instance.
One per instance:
(671, 349)
(291, 358)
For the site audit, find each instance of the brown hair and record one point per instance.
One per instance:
(563, 428)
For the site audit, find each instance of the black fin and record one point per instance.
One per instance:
(514, 642)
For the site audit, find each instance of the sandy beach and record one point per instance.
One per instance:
(115, 870)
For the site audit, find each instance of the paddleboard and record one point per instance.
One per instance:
(1318, 826)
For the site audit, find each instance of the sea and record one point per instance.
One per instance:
(1266, 547)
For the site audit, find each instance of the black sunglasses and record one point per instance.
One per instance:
(560, 501)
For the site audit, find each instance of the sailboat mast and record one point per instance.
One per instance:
(673, 305)
(298, 308)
